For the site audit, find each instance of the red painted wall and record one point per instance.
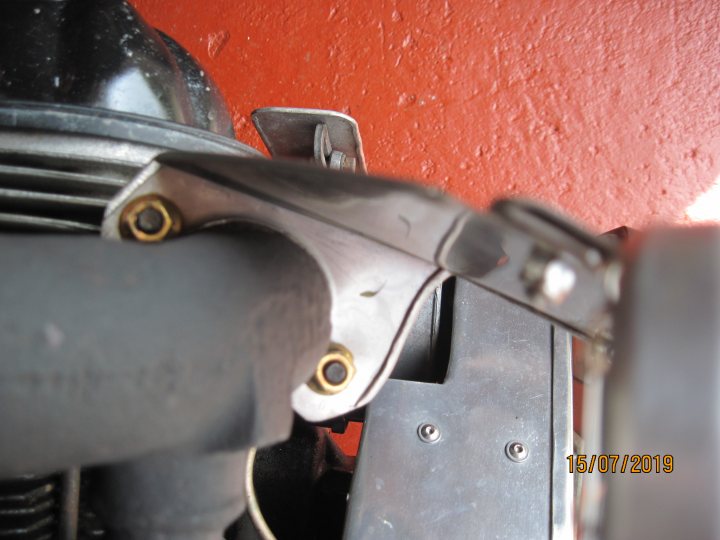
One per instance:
(608, 109)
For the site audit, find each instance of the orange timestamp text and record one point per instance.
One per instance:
(614, 463)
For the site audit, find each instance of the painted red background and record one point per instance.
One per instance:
(610, 110)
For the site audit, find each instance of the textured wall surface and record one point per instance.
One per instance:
(609, 110)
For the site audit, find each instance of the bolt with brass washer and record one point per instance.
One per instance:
(334, 371)
(150, 218)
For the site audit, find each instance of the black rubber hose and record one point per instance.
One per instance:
(109, 351)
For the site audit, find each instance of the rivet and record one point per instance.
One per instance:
(428, 433)
(516, 451)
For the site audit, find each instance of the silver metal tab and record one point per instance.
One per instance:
(291, 133)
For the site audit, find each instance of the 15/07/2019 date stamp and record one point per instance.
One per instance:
(614, 463)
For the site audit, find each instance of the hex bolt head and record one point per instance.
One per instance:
(428, 433)
(335, 372)
(516, 451)
(150, 220)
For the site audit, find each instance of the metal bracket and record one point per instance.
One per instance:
(376, 290)
(384, 246)
(330, 138)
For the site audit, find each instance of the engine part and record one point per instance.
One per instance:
(101, 54)
(29, 506)
(413, 229)
(193, 497)
(90, 96)
(60, 165)
(138, 376)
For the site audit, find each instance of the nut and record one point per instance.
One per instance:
(334, 371)
(150, 219)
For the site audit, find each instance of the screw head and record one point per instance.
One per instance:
(428, 433)
(516, 451)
